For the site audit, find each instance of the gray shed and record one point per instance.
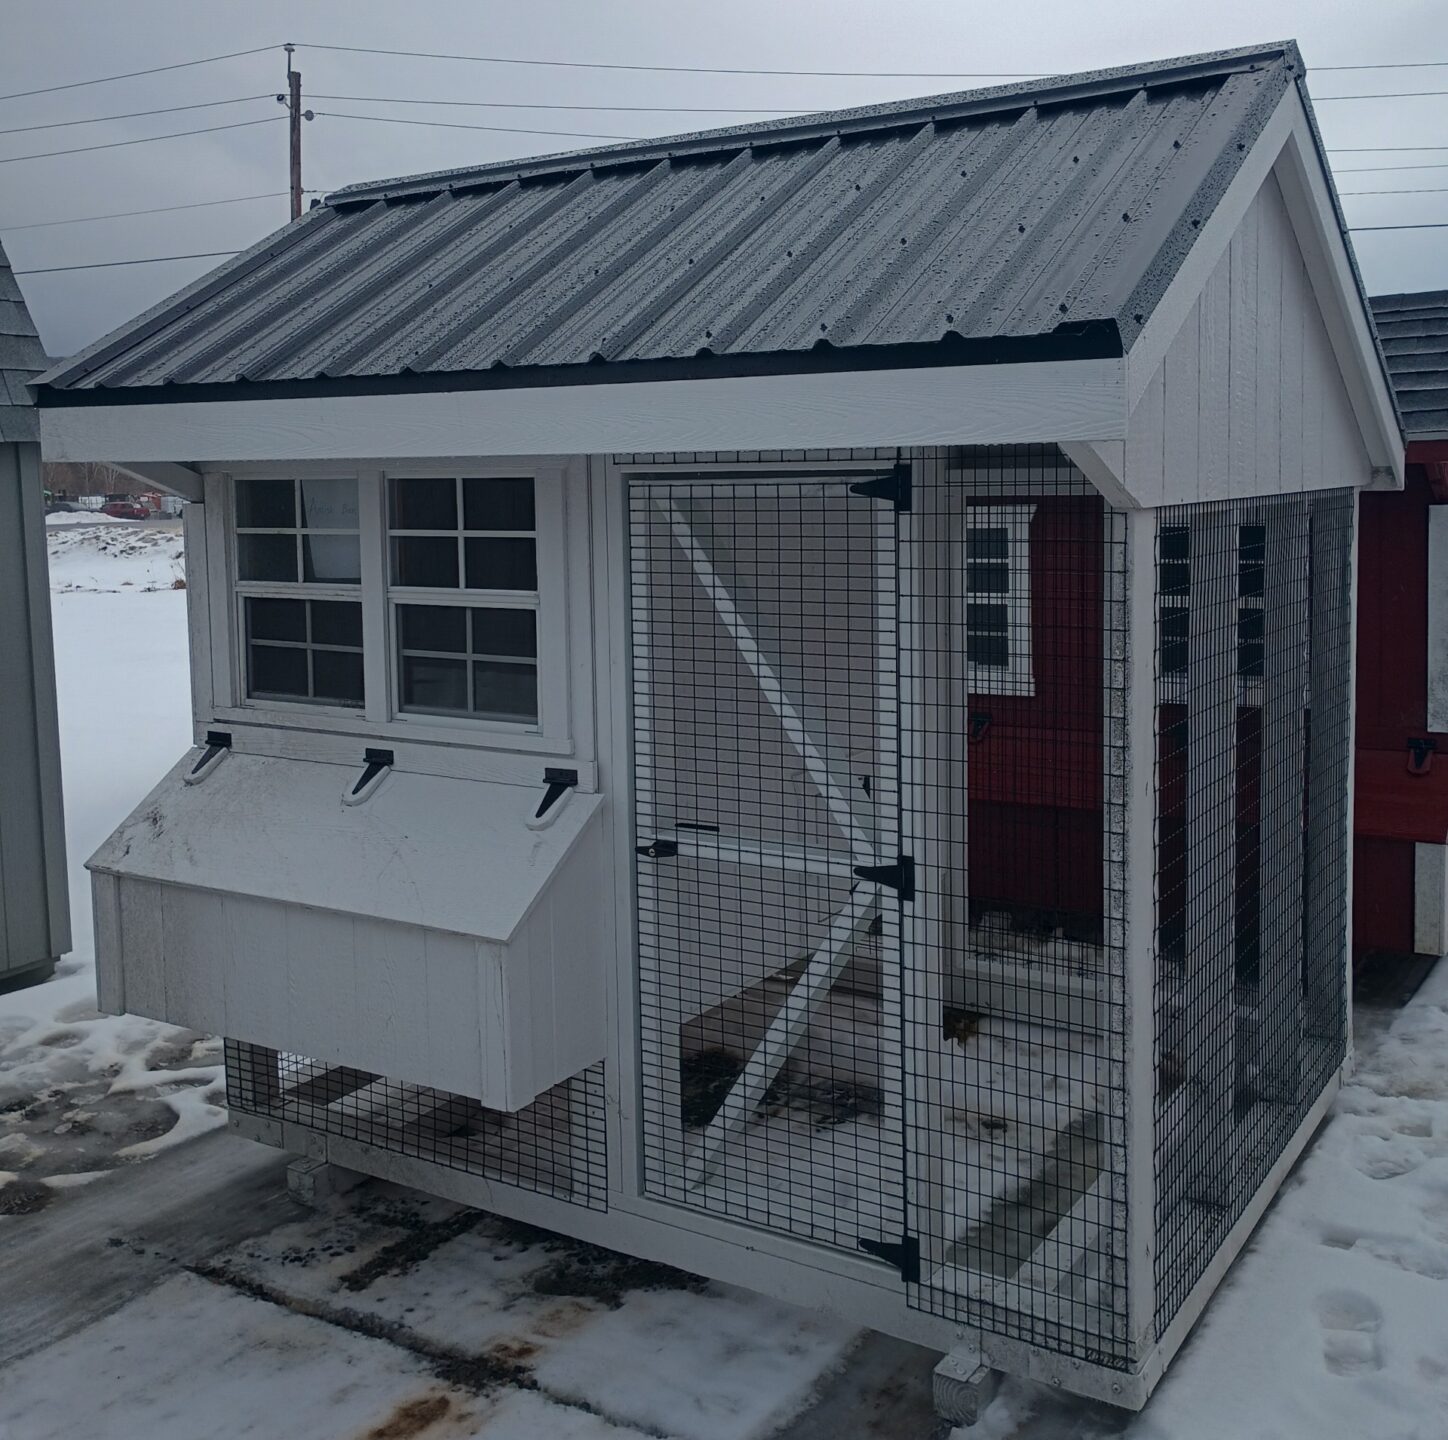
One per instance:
(34, 908)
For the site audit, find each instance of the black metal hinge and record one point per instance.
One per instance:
(557, 781)
(900, 876)
(374, 762)
(894, 487)
(658, 849)
(903, 1254)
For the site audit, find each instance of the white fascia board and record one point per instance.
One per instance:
(941, 405)
(1286, 147)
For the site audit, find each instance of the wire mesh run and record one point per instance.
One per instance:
(1014, 1034)
(765, 773)
(556, 1146)
(880, 977)
(1253, 673)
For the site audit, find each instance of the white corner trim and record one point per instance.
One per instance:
(1430, 899)
(1103, 463)
(958, 404)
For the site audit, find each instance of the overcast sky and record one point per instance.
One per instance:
(52, 42)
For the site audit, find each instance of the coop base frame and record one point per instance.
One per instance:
(860, 1290)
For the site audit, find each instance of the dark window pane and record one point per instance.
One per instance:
(987, 544)
(434, 684)
(988, 579)
(987, 618)
(331, 559)
(1175, 626)
(501, 565)
(505, 692)
(329, 504)
(277, 671)
(266, 504)
(266, 557)
(423, 504)
(337, 676)
(425, 560)
(1250, 648)
(498, 505)
(1252, 558)
(433, 627)
(505, 632)
(993, 650)
(1176, 542)
(336, 622)
(276, 619)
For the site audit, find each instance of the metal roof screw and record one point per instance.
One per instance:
(1075, 159)
(1176, 144)
(1021, 229)
(1138, 317)
(903, 240)
(1063, 307)
(823, 326)
(950, 319)
(708, 334)
(1126, 215)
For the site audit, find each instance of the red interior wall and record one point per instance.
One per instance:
(1035, 773)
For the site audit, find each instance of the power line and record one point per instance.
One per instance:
(1424, 190)
(110, 264)
(1378, 149)
(1380, 95)
(1369, 169)
(132, 74)
(538, 105)
(141, 140)
(1426, 225)
(688, 69)
(153, 210)
(133, 114)
(458, 125)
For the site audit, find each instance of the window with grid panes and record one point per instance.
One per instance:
(1175, 599)
(298, 569)
(463, 591)
(996, 591)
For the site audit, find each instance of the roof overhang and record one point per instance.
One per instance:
(944, 405)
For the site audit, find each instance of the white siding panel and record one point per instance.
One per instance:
(196, 954)
(110, 967)
(1252, 371)
(142, 948)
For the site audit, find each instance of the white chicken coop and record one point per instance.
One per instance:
(781, 700)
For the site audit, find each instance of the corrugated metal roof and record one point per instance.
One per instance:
(21, 360)
(945, 230)
(1413, 332)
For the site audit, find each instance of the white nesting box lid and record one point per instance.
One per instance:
(425, 850)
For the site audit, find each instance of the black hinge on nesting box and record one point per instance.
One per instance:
(658, 849)
(900, 876)
(903, 1254)
(1420, 755)
(894, 487)
(216, 742)
(558, 782)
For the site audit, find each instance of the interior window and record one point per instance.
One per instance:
(997, 596)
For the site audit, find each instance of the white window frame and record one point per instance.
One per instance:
(240, 591)
(1018, 676)
(548, 601)
(559, 666)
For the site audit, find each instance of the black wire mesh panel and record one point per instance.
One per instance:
(1253, 671)
(763, 640)
(1011, 646)
(556, 1146)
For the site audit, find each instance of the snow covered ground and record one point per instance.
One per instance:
(182, 1296)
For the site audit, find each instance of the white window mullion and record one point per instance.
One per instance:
(376, 660)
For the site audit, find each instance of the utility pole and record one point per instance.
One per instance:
(295, 115)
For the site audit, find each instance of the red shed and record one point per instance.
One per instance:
(1400, 856)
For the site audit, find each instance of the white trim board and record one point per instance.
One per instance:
(957, 404)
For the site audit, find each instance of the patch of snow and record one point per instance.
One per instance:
(83, 517)
(80, 1091)
(122, 556)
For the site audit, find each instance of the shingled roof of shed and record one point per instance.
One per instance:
(21, 359)
(1032, 221)
(1413, 332)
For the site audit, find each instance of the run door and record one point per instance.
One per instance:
(768, 829)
